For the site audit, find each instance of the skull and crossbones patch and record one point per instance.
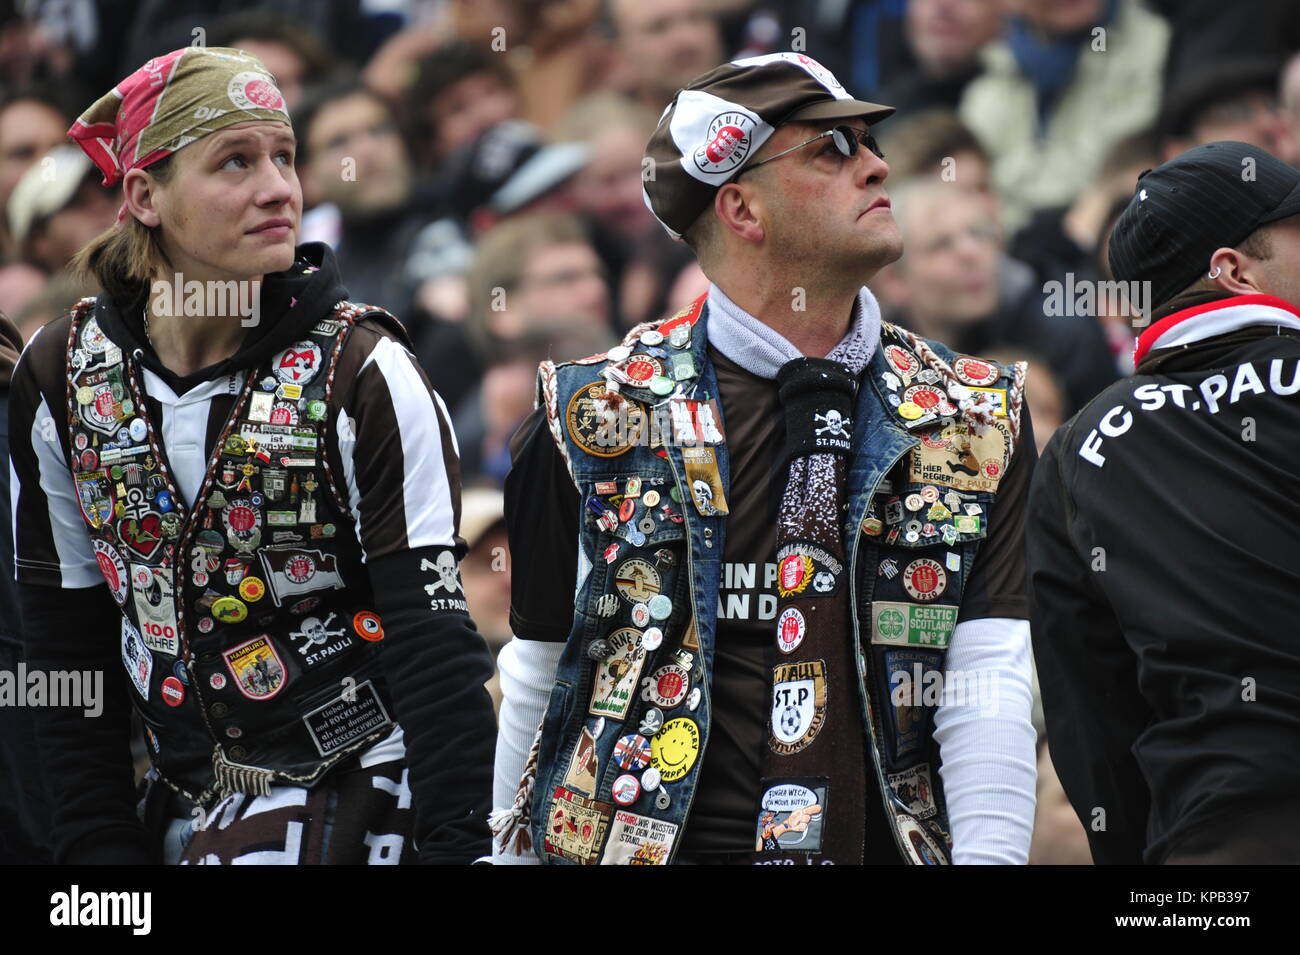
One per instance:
(834, 429)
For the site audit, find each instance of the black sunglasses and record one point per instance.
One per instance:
(845, 139)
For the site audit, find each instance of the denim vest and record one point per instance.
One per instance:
(625, 730)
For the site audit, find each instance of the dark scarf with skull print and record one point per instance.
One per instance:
(813, 788)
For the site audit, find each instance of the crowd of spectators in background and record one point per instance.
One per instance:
(477, 167)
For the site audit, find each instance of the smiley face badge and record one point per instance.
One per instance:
(675, 748)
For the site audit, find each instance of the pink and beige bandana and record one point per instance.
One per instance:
(172, 101)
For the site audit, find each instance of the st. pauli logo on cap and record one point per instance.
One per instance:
(727, 145)
(818, 72)
(823, 75)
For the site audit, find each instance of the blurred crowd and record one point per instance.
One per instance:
(477, 167)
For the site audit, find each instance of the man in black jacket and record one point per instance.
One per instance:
(1161, 534)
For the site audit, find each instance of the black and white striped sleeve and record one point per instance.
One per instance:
(400, 474)
(400, 462)
(51, 545)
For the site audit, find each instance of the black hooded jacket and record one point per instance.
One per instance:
(1161, 542)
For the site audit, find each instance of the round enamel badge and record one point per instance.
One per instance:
(790, 630)
(298, 363)
(669, 685)
(173, 693)
(975, 372)
(299, 569)
(284, 413)
(925, 579)
(641, 368)
(923, 396)
(93, 338)
(675, 748)
(904, 362)
(626, 789)
(240, 516)
(632, 752)
(368, 626)
(637, 581)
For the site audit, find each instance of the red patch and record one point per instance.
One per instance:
(724, 143)
(142, 536)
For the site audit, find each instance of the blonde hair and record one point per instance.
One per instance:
(125, 258)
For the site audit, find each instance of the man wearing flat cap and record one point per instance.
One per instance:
(767, 571)
(1161, 533)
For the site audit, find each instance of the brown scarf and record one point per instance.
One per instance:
(812, 804)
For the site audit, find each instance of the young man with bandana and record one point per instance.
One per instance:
(793, 622)
(249, 508)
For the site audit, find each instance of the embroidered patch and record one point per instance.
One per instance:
(321, 639)
(113, 568)
(807, 570)
(972, 371)
(136, 658)
(297, 364)
(995, 398)
(790, 630)
(257, 668)
(151, 588)
(638, 840)
(95, 493)
(798, 705)
(705, 481)
(910, 625)
(956, 457)
(293, 571)
(617, 674)
(603, 425)
(791, 815)
(925, 579)
(637, 580)
(913, 790)
(903, 668)
(920, 845)
(575, 827)
(903, 361)
(584, 767)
